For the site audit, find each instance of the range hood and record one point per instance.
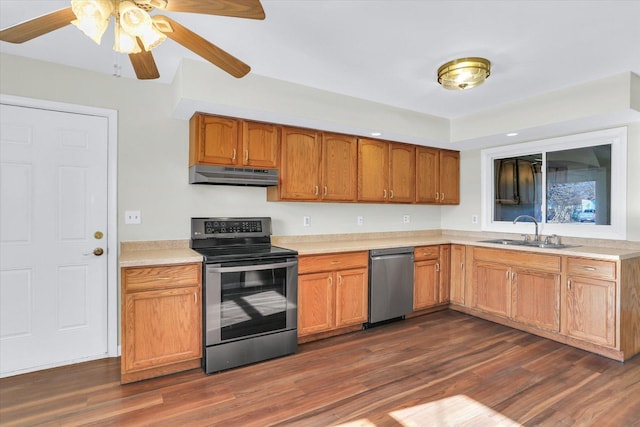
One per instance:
(229, 175)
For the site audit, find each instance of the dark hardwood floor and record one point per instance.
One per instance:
(442, 369)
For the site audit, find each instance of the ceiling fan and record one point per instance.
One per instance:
(137, 32)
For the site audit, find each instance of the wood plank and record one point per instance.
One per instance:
(446, 367)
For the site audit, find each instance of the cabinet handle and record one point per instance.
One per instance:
(589, 268)
(506, 274)
(326, 190)
(437, 266)
(384, 193)
(442, 198)
(391, 197)
(330, 281)
(195, 297)
(513, 276)
(316, 192)
(569, 284)
(437, 196)
(339, 280)
(462, 266)
(246, 155)
(234, 154)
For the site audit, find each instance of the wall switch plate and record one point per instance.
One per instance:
(306, 221)
(360, 220)
(474, 219)
(132, 217)
(406, 219)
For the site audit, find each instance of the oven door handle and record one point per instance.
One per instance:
(256, 267)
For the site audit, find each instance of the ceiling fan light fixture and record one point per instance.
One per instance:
(133, 20)
(464, 73)
(125, 42)
(92, 17)
(151, 38)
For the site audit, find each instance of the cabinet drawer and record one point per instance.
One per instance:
(426, 252)
(591, 268)
(158, 277)
(522, 259)
(332, 262)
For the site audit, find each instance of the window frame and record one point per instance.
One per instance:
(617, 137)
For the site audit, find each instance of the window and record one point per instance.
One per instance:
(573, 186)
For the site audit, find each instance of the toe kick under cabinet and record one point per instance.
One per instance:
(589, 303)
(161, 320)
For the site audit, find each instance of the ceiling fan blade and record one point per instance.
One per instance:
(144, 65)
(205, 49)
(36, 27)
(251, 9)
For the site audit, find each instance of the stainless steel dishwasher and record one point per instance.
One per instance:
(390, 283)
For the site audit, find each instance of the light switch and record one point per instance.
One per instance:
(132, 217)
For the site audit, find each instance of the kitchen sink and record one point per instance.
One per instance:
(529, 243)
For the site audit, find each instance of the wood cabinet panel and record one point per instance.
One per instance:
(591, 310)
(316, 302)
(426, 280)
(444, 293)
(332, 262)
(300, 164)
(530, 260)
(162, 327)
(402, 173)
(373, 170)
(213, 140)
(491, 288)
(536, 299)
(426, 252)
(260, 145)
(427, 175)
(449, 177)
(151, 278)
(339, 167)
(592, 268)
(457, 274)
(352, 297)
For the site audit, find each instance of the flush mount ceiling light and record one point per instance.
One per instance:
(464, 73)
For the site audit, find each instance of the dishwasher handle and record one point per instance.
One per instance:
(377, 253)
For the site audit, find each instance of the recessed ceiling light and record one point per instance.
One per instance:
(512, 134)
(376, 133)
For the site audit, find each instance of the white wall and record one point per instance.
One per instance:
(153, 153)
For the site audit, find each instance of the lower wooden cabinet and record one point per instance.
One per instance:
(456, 274)
(536, 298)
(161, 320)
(430, 276)
(591, 300)
(332, 292)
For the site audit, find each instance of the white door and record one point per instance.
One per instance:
(53, 217)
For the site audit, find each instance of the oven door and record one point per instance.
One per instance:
(244, 299)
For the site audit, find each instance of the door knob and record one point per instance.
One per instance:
(98, 235)
(96, 252)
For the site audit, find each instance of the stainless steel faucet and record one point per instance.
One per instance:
(519, 217)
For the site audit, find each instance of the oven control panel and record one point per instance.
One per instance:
(221, 227)
(229, 228)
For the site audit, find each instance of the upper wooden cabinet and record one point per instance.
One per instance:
(215, 140)
(437, 176)
(316, 166)
(386, 171)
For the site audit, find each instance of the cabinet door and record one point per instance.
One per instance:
(260, 143)
(373, 170)
(449, 177)
(445, 273)
(216, 140)
(458, 253)
(339, 167)
(426, 283)
(351, 297)
(591, 310)
(161, 327)
(316, 302)
(402, 173)
(491, 288)
(536, 299)
(300, 164)
(427, 175)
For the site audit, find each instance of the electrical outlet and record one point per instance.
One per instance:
(306, 221)
(360, 220)
(474, 219)
(406, 219)
(132, 217)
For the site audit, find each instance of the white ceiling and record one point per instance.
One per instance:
(387, 51)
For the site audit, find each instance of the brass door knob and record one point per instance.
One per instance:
(98, 251)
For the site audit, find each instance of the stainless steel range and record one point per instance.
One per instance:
(250, 292)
